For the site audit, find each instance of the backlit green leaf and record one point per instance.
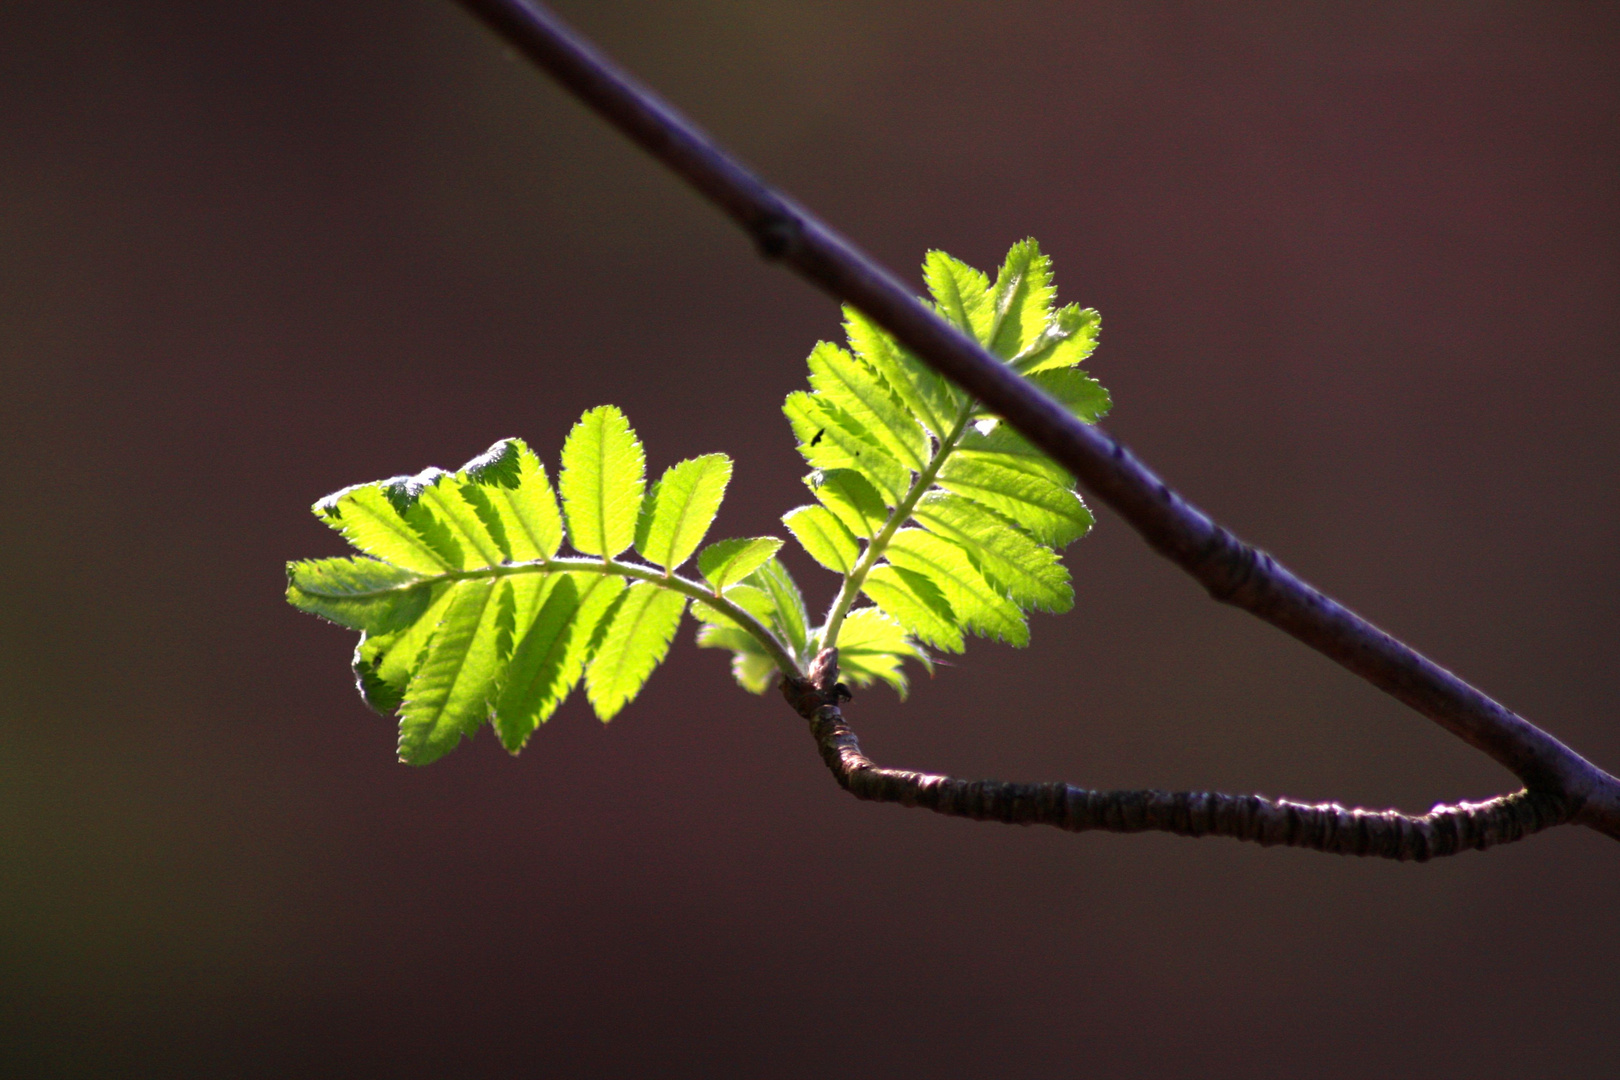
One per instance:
(916, 603)
(976, 603)
(680, 509)
(750, 665)
(1029, 573)
(789, 618)
(536, 681)
(1079, 392)
(635, 643)
(1068, 339)
(852, 497)
(604, 474)
(1021, 300)
(750, 598)
(444, 498)
(446, 696)
(872, 646)
(848, 383)
(826, 538)
(509, 488)
(919, 388)
(1049, 512)
(359, 593)
(961, 294)
(1005, 447)
(831, 439)
(726, 562)
(373, 522)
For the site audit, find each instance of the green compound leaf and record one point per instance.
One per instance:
(603, 477)
(682, 506)
(989, 510)
(872, 647)
(446, 696)
(508, 488)
(842, 380)
(961, 294)
(921, 391)
(726, 562)
(470, 611)
(1022, 300)
(359, 593)
(932, 510)
(1050, 512)
(788, 616)
(637, 641)
(827, 539)
(1028, 573)
(917, 604)
(852, 497)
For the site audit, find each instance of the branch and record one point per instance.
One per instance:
(1329, 827)
(1232, 571)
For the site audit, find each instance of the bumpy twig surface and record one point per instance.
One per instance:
(1561, 785)
(1387, 834)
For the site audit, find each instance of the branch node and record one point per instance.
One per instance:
(777, 236)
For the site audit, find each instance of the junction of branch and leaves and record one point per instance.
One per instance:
(945, 442)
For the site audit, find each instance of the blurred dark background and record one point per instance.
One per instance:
(1359, 268)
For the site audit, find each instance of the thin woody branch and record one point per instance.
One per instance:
(1231, 570)
(1328, 827)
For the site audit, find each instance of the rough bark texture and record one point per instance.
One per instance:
(1232, 571)
(1329, 827)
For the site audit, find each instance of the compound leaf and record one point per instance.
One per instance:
(636, 642)
(826, 538)
(446, 696)
(1051, 513)
(603, 478)
(726, 562)
(1022, 300)
(1028, 573)
(852, 497)
(359, 593)
(872, 646)
(916, 603)
(680, 509)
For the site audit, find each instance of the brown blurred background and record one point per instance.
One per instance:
(1359, 267)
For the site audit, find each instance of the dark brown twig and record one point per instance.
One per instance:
(1329, 827)
(1232, 571)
